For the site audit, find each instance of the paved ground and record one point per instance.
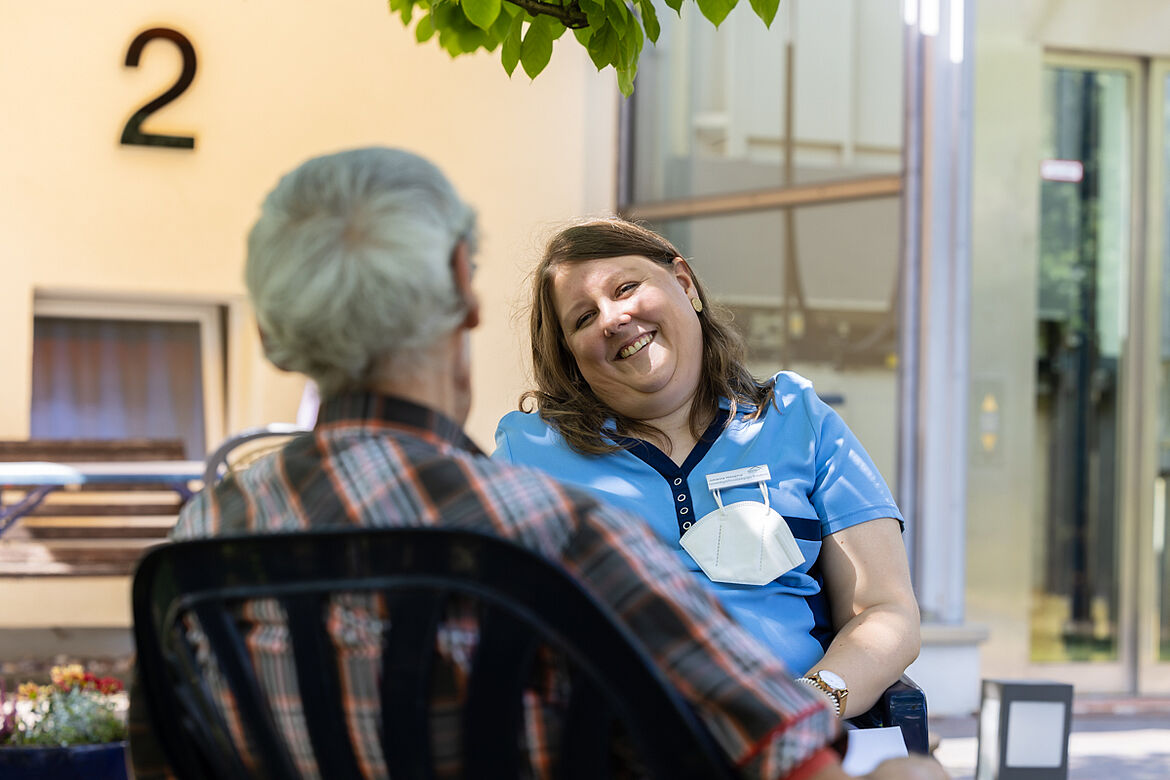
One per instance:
(1111, 740)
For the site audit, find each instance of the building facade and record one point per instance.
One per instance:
(950, 214)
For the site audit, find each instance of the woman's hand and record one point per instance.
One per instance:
(867, 581)
(912, 768)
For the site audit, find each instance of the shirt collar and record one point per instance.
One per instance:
(373, 410)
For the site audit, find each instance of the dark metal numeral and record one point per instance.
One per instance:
(132, 133)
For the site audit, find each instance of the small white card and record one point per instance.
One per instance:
(745, 476)
(869, 747)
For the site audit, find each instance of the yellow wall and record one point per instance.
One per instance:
(276, 83)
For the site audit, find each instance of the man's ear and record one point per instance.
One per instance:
(268, 352)
(461, 270)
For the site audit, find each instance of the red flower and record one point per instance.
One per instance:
(109, 685)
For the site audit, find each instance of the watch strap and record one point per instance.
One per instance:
(834, 695)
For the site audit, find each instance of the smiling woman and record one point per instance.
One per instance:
(642, 397)
(628, 322)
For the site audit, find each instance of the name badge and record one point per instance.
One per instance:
(750, 475)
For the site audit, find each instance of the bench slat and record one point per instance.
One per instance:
(94, 530)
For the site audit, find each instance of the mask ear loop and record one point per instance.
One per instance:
(764, 490)
(718, 500)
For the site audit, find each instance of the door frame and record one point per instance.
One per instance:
(1151, 675)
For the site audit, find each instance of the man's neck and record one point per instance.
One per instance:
(436, 382)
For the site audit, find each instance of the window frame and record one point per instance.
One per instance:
(207, 315)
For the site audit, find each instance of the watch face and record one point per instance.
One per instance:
(832, 678)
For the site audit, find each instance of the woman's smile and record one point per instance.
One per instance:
(635, 347)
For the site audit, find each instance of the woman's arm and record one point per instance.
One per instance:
(867, 581)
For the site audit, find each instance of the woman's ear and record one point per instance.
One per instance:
(686, 279)
(461, 269)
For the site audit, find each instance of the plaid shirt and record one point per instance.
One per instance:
(383, 462)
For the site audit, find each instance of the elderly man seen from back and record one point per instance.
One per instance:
(360, 271)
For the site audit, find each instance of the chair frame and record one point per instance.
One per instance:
(532, 601)
(903, 704)
(217, 462)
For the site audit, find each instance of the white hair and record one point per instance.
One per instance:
(349, 265)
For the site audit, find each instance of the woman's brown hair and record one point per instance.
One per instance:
(563, 397)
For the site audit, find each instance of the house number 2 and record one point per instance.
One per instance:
(132, 134)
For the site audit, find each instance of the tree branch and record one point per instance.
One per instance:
(570, 14)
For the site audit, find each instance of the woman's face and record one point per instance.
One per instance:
(630, 325)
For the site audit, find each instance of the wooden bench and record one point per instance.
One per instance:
(94, 529)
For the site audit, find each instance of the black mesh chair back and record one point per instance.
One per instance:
(524, 602)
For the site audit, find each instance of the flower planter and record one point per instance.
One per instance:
(78, 762)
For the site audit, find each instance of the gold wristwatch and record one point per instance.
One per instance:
(830, 684)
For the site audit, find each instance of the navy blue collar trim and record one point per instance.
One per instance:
(661, 462)
(675, 475)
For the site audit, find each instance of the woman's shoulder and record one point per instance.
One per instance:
(789, 391)
(787, 382)
(520, 434)
(521, 422)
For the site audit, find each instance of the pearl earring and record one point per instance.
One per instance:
(695, 302)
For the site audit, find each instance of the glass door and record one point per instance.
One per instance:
(1082, 615)
(1100, 610)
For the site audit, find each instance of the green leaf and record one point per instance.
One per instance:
(425, 30)
(404, 8)
(766, 10)
(483, 13)
(618, 14)
(603, 46)
(449, 41)
(443, 18)
(510, 55)
(716, 10)
(536, 49)
(675, 5)
(583, 34)
(631, 48)
(625, 81)
(650, 19)
(501, 27)
(594, 12)
(471, 38)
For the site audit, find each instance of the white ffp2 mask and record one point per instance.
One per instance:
(745, 543)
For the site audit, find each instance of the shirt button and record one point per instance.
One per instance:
(678, 480)
(683, 511)
(682, 496)
(687, 525)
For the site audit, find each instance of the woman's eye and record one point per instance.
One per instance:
(627, 287)
(583, 320)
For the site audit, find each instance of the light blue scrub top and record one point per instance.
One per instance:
(822, 481)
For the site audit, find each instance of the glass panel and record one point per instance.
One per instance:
(112, 379)
(1162, 517)
(709, 108)
(822, 304)
(1083, 267)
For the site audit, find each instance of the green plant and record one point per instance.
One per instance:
(612, 31)
(78, 708)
